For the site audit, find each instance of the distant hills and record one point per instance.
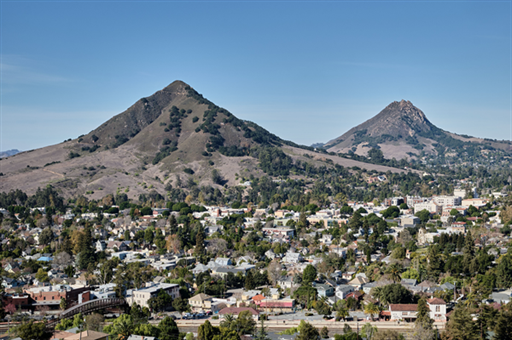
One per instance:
(401, 130)
(176, 138)
(8, 153)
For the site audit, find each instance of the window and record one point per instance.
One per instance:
(438, 308)
(44, 298)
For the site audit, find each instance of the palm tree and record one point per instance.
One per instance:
(228, 321)
(342, 313)
(394, 272)
(371, 309)
(351, 303)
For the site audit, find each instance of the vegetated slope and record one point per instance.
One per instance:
(169, 138)
(401, 130)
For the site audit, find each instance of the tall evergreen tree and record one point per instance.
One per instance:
(87, 254)
(249, 281)
(168, 329)
(461, 326)
(503, 329)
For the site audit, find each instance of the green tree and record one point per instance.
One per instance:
(121, 328)
(87, 254)
(168, 329)
(161, 301)
(180, 304)
(503, 329)
(33, 331)
(324, 332)
(423, 313)
(309, 274)
(423, 215)
(46, 236)
(63, 304)
(308, 332)
(148, 236)
(504, 272)
(387, 334)
(261, 334)
(42, 275)
(461, 326)
(249, 281)
(244, 323)
(368, 331)
(206, 331)
(395, 271)
(371, 309)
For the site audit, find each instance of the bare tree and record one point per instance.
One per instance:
(274, 270)
(62, 259)
(217, 245)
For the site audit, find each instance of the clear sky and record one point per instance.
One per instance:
(305, 70)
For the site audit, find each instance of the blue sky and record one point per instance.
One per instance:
(306, 71)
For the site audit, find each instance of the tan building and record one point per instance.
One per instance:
(203, 302)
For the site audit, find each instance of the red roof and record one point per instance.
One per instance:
(258, 297)
(436, 301)
(238, 310)
(356, 295)
(403, 308)
(385, 313)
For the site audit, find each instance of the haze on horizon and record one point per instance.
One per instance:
(307, 72)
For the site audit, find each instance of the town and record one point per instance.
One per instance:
(426, 264)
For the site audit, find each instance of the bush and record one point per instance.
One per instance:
(188, 171)
(73, 155)
(195, 119)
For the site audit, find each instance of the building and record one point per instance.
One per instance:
(409, 220)
(406, 312)
(237, 310)
(437, 309)
(283, 232)
(85, 335)
(431, 207)
(51, 295)
(141, 296)
(447, 200)
(286, 305)
(203, 302)
(324, 290)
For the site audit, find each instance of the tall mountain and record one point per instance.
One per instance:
(401, 130)
(173, 138)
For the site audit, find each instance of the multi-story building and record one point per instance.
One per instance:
(141, 296)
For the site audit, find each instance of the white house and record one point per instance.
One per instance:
(437, 309)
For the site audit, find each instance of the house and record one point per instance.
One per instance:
(223, 261)
(85, 335)
(100, 245)
(358, 282)
(292, 257)
(284, 232)
(343, 290)
(203, 302)
(237, 310)
(437, 309)
(408, 283)
(324, 290)
(199, 268)
(104, 291)
(406, 312)
(285, 282)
